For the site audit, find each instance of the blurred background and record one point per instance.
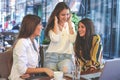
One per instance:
(104, 13)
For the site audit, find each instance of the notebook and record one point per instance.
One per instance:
(111, 70)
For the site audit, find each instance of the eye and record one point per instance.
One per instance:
(82, 26)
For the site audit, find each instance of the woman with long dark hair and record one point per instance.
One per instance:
(88, 46)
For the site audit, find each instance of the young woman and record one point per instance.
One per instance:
(87, 46)
(26, 50)
(61, 32)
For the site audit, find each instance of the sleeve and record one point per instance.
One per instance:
(96, 51)
(20, 56)
(73, 36)
(54, 37)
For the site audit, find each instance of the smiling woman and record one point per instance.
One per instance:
(61, 32)
(88, 48)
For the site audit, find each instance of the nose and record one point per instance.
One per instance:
(66, 16)
(41, 26)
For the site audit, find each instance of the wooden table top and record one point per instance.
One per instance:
(48, 78)
(66, 77)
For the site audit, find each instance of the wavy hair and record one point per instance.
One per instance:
(28, 26)
(83, 45)
(58, 8)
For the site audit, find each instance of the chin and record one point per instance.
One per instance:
(81, 35)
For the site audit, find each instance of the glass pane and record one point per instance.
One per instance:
(106, 17)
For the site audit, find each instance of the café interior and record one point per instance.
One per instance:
(104, 13)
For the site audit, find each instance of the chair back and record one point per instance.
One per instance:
(6, 60)
(41, 52)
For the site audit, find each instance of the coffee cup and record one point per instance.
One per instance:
(58, 75)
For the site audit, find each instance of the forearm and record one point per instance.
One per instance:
(71, 30)
(55, 29)
(35, 70)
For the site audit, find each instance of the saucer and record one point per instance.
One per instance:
(54, 79)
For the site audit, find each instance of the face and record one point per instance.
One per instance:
(64, 15)
(38, 30)
(82, 29)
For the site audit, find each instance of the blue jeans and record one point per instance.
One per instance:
(57, 62)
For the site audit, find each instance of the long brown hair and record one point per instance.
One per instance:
(83, 45)
(58, 8)
(28, 26)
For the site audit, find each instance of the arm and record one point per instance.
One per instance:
(72, 37)
(96, 49)
(40, 70)
(22, 61)
(71, 30)
(54, 33)
(53, 36)
(56, 28)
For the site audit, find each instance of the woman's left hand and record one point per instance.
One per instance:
(70, 18)
(24, 76)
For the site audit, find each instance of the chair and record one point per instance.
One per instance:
(6, 61)
(41, 52)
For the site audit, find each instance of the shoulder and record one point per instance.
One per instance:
(96, 37)
(23, 41)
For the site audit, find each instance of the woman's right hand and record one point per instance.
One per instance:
(49, 72)
(56, 28)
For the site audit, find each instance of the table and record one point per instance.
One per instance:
(48, 78)
(89, 75)
(44, 76)
(92, 75)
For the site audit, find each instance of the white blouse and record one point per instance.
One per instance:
(62, 42)
(24, 56)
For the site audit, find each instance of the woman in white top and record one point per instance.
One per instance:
(61, 32)
(25, 51)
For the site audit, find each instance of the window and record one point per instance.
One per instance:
(105, 14)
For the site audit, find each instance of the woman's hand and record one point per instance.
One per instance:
(70, 18)
(56, 28)
(56, 20)
(70, 24)
(49, 72)
(24, 76)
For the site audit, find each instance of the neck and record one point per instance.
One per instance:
(61, 24)
(32, 38)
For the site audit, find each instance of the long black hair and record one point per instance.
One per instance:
(83, 45)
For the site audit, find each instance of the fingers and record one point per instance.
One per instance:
(70, 18)
(56, 19)
(65, 69)
(51, 73)
(24, 76)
